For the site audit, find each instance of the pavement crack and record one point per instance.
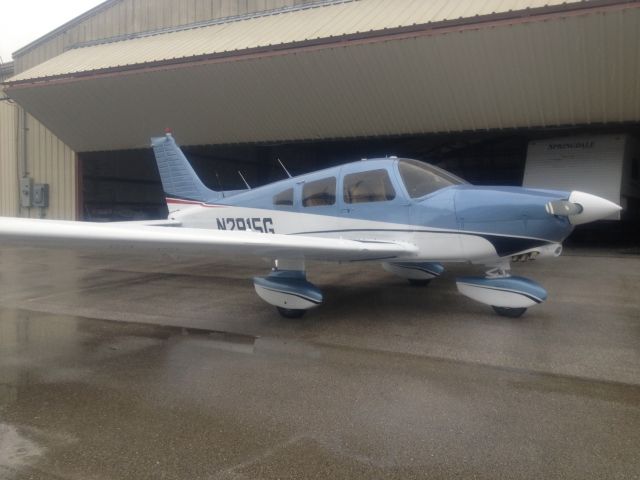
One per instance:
(231, 472)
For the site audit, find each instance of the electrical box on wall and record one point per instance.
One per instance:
(41, 195)
(26, 187)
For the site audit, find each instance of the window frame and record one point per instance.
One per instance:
(285, 205)
(307, 183)
(435, 171)
(386, 179)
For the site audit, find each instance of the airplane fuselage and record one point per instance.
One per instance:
(451, 222)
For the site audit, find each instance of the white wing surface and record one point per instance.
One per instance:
(195, 241)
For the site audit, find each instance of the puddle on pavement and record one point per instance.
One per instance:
(16, 450)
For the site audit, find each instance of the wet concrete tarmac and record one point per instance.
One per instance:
(171, 368)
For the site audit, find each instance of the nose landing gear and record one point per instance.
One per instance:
(291, 312)
(509, 312)
(509, 296)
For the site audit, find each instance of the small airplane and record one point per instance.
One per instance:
(408, 215)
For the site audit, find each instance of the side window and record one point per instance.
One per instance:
(320, 192)
(370, 186)
(284, 198)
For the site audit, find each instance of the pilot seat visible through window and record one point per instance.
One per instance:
(368, 186)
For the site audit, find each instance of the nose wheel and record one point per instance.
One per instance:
(290, 312)
(509, 312)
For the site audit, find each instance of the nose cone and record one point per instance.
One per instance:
(593, 208)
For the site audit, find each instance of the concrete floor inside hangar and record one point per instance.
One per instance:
(113, 367)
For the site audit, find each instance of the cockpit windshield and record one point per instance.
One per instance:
(421, 179)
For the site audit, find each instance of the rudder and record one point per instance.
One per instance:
(179, 180)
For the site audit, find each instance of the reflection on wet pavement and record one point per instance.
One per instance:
(84, 398)
(361, 389)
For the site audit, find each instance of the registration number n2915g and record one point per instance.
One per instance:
(258, 224)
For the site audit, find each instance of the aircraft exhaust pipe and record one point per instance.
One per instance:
(583, 207)
(551, 250)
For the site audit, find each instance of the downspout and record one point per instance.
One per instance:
(21, 134)
(24, 171)
(17, 126)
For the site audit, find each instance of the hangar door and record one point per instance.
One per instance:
(120, 185)
(123, 185)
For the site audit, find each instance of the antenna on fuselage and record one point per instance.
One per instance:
(243, 179)
(284, 168)
(220, 184)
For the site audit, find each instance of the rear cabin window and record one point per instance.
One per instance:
(422, 179)
(370, 186)
(319, 193)
(284, 198)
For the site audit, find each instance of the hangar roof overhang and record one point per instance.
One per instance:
(351, 69)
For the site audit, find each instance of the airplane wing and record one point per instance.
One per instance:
(193, 241)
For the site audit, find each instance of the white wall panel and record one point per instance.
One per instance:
(591, 164)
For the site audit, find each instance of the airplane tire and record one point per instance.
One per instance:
(291, 312)
(509, 312)
(419, 282)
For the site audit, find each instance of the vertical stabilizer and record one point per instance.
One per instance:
(180, 182)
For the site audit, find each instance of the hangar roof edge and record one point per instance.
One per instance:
(341, 21)
(88, 14)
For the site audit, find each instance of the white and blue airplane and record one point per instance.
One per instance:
(408, 215)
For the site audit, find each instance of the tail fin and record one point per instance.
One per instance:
(180, 182)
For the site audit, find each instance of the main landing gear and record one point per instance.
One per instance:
(287, 289)
(418, 274)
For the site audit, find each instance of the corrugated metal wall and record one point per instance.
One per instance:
(48, 159)
(133, 16)
(570, 70)
(8, 158)
(51, 161)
